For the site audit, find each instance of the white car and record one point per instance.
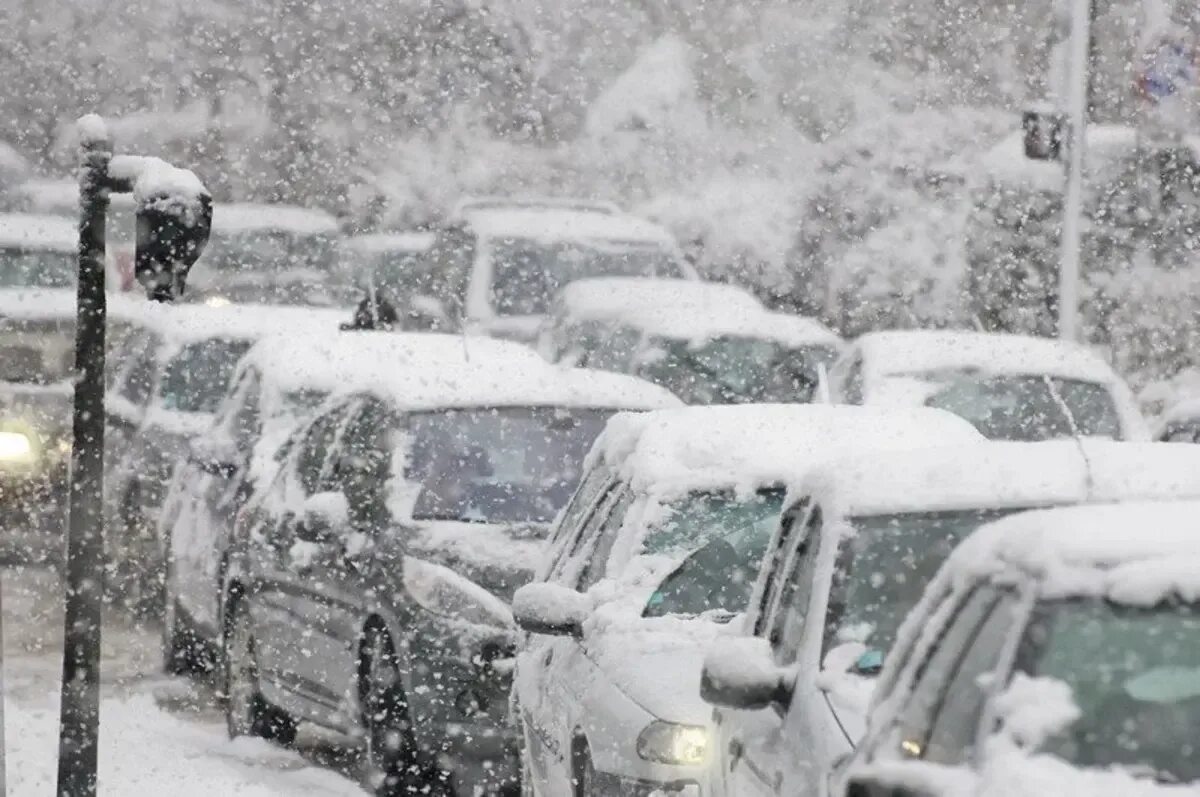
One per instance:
(856, 546)
(653, 557)
(1012, 387)
(707, 342)
(496, 267)
(1054, 653)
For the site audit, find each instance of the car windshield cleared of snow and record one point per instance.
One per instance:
(21, 268)
(1135, 676)
(883, 567)
(196, 378)
(503, 465)
(1030, 407)
(527, 274)
(269, 250)
(725, 537)
(737, 370)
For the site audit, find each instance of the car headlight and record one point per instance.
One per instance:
(15, 447)
(669, 743)
(217, 301)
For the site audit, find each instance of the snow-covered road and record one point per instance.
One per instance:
(158, 735)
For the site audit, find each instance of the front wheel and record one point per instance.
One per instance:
(247, 713)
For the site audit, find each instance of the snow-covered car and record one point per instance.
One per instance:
(370, 591)
(1180, 423)
(654, 555)
(1012, 387)
(171, 373)
(1054, 653)
(706, 342)
(279, 383)
(383, 260)
(497, 267)
(269, 254)
(856, 546)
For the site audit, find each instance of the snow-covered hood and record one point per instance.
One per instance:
(658, 671)
(499, 558)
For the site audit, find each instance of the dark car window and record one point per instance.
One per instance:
(195, 380)
(606, 538)
(787, 624)
(571, 565)
(956, 726)
(1134, 674)
(581, 503)
(315, 448)
(933, 675)
(1030, 407)
(361, 465)
(774, 562)
(247, 415)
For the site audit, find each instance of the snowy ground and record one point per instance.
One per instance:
(159, 735)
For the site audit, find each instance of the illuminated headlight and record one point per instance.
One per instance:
(15, 447)
(217, 301)
(668, 743)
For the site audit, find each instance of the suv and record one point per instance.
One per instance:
(497, 267)
(370, 589)
(706, 342)
(653, 557)
(169, 375)
(855, 549)
(1054, 653)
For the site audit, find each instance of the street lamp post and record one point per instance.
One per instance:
(174, 214)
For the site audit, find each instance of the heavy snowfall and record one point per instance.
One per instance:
(709, 398)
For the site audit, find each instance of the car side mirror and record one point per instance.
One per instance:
(550, 609)
(740, 673)
(325, 516)
(215, 457)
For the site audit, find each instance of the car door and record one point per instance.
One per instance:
(759, 752)
(281, 628)
(545, 724)
(333, 588)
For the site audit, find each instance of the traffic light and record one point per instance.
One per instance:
(172, 230)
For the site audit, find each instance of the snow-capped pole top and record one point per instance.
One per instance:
(159, 185)
(92, 130)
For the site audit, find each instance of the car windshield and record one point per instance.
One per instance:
(1135, 676)
(527, 274)
(269, 250)
(21, 268)
(883, 567)
(736, 370)
(196, 378)
(725, 537)
(1030, 407)
(509, 465)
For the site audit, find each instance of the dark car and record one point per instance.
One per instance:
(370, 591)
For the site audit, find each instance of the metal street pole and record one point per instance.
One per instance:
(1072, 229)
(80, 709)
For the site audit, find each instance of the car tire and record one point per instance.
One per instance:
(247, 713)
(392, 765)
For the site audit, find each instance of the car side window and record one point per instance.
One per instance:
(934, 673)
(956, 727)
(138, 382)
(606, 538)
(361, 464)
(581, 502)
(792, 519)
(791, 608)
(315, 448)
(614, 350)
(246, 423)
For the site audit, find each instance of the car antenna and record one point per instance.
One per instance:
(1070, 416)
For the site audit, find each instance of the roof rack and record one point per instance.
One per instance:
(473, 203)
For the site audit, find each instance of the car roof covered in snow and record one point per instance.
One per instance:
(190, 323)
(374, 243)
(232, 218)
(470, 371)
(918, 352)
(38, 232)
(1004, 475)
(564, 224)
(684, 309)
(749, 446)
(1138, 552)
